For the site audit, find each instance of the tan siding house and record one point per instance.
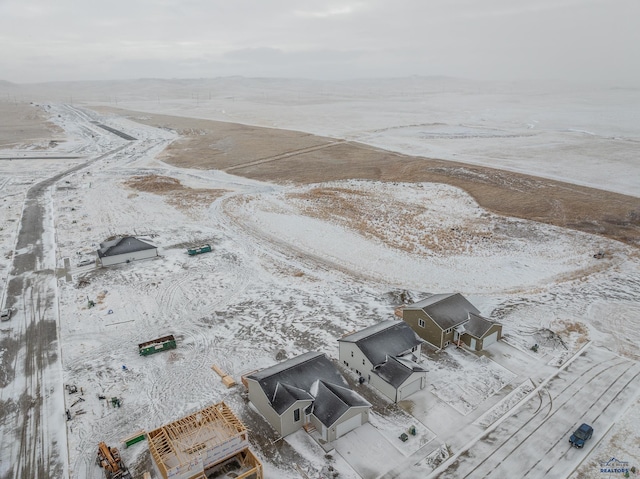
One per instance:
(442, 319)
(479, 332)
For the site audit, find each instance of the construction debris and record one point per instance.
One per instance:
(226, 379)
(134, 438)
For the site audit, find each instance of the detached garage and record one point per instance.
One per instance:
(479, 333)
(125, 250)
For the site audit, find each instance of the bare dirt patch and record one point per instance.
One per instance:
(178, 195)
(25, 124)
(218, 145)
(284, 156)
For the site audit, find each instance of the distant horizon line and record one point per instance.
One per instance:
(8, 83)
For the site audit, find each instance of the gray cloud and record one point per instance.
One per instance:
(576, 40)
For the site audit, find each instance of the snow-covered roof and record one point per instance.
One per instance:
(447, 310)
(296, 374)
(386, 338)
(285, 395)
(478, 326)
(332, 401)
(123, 245)
(396, 371)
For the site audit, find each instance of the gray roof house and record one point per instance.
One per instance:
(386, 356)
(307, 390)
(442, 319)
(125, 250)
(479, 332)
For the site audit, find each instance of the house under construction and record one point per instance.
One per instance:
(212, 440)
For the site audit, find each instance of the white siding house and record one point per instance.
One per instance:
(304, 390)
(125, 250)
(385, 355)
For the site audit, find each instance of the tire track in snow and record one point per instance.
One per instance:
(536, 415)
(554, 446)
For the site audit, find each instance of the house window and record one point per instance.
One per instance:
(351, 353)
(363, 362)
(421, 323)
(447, 343)
(296, 415)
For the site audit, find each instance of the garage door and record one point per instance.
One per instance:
(348, 425)
(409, 389)
(489, 340)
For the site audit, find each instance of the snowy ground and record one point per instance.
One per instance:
(284, 275)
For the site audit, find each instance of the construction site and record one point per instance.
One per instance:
(210, 443)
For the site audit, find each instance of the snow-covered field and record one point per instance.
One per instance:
(285, 276)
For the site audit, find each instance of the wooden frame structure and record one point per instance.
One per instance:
(185, 448)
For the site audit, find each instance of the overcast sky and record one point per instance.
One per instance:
(575, 40)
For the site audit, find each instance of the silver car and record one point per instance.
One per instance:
(5, 314)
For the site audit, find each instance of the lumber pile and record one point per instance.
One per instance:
(226, 379)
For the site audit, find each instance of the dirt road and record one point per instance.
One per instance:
(30, 367)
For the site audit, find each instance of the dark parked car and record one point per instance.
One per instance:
(581, 435)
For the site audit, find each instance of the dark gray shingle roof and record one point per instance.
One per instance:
(299, 373)
(285, 395)
(395, 371)
(126, 244)
(478, 326)
(386, 338)
(447, 310)
(332, 401)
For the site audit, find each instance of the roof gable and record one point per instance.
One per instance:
(396, 371)
(285, 383)
(446, 310)
(388, 338)
(123, 245)
(478, 326)
(286, 395)
(332, 401)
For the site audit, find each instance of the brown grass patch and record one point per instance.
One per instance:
(178, 195)
(154, 183)
(284, 156)
(573, 328)
(400, 225)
